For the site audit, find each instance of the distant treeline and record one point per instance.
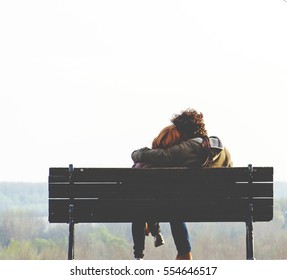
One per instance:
(26, 234)
(26, 196)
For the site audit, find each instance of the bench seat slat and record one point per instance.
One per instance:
(189, 210)
(114, 190)
(238, 174)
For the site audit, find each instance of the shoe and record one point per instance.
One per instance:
(158, 240)
(187, 256)
(138, 255)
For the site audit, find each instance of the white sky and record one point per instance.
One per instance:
(88, 82)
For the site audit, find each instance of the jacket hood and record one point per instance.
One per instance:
(215, 144)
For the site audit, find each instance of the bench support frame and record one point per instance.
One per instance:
(71, 218)
(71, 233)
(249, 221)
(249, 235)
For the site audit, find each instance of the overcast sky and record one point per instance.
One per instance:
(87, 82)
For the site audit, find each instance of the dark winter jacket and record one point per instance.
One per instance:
(189, 153)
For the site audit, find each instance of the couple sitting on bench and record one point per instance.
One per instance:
(184, 143)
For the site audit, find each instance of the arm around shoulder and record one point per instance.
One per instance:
(155, 157)
(138, 154)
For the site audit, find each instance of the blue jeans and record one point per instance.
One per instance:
(180, 237)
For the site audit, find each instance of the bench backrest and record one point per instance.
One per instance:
(161, 194)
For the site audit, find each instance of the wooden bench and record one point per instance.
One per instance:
(91, 195)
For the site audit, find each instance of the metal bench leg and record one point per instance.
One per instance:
(71, 233)
(71, 217)
(249, 236)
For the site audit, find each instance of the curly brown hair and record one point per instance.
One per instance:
(190, 123)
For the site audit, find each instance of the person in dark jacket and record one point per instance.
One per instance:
(195, 149)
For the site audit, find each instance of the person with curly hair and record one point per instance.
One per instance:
(194, 149)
